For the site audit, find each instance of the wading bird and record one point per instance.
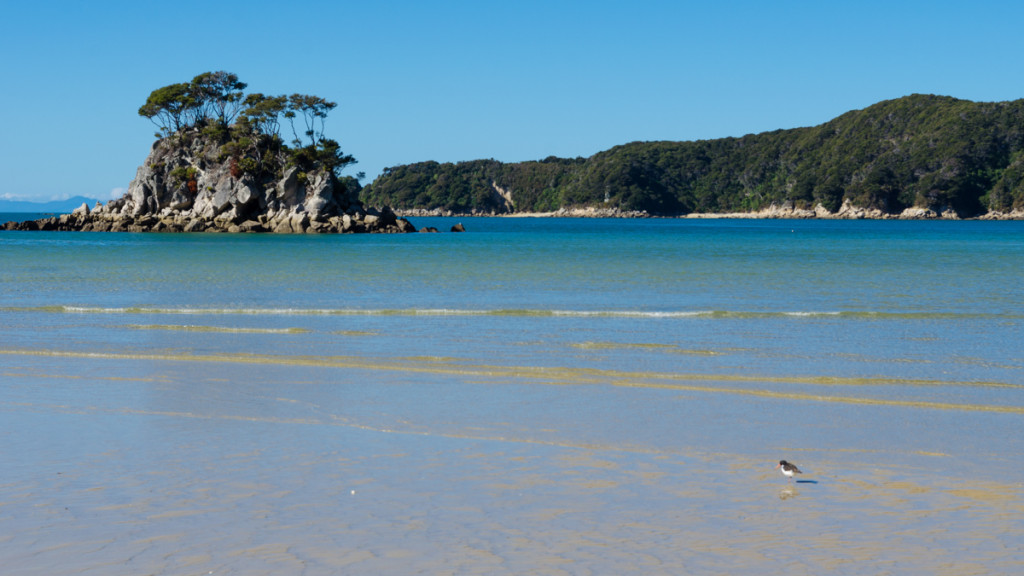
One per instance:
(788, 469)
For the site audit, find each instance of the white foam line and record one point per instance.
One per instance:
(426, 312)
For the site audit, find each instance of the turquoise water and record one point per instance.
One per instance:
(532, 396)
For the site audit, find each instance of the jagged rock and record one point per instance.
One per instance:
(288, 188)
(196, 225)
(251, 226)
(822, 212)
(320, 196)
(299, 222)
(405, 226)
(1013, 215)
(918, 214)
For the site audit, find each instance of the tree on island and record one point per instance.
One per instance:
(220, 93)
(312, 108)
(247, 127)
(167, 107)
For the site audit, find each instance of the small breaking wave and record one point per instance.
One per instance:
(217, 329)
(518, 312)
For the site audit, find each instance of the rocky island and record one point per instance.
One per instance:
(220, 164)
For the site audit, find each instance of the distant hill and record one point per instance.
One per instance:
(924, 151)
(56, 207)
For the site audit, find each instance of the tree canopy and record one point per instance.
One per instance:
(313, 110)
(247, 126)
(168, 107)
(219, 94)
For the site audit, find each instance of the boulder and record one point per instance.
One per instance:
(196, 225)
(404, 226)
(916, 213)
(251, 226)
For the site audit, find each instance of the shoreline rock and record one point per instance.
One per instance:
(368, 221)
(581, 212)
(774, 212)
(286, 222)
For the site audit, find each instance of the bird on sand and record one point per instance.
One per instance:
(788, 469)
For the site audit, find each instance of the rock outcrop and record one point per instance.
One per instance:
(188, 185)
(849, 212)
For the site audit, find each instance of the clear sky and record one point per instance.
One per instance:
(461, 80)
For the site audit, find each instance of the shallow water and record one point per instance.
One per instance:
(530, 397)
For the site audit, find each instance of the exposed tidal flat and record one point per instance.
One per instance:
(536, 396)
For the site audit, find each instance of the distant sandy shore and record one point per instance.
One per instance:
(846, 212)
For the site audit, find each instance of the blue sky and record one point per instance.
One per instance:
(451, 81)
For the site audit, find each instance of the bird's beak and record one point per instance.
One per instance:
(777, 466)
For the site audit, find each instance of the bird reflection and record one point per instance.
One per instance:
(787, 493)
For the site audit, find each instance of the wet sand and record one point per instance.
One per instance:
(165, 464)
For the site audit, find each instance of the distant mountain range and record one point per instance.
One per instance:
(56, 206)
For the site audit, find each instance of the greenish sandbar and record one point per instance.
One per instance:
(580, 376)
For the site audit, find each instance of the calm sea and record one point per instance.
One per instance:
(533, 396)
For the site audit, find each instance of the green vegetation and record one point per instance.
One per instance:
(927, 151)
(185, 176)
(246, 127)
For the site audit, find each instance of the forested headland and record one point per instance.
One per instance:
(921, 151)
